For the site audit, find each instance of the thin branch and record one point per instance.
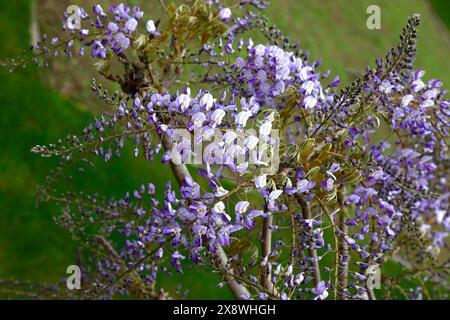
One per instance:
(306, 212)
(342, 270)
(181, 172)
(266, 248)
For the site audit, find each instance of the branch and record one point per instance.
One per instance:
(342, 271)
(306, 212)
(181, 173)
(266, 248)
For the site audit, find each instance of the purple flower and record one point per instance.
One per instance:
(113, 27)
(328, 184)
(99, 10)
(225, 14)
(217, 116)
(131, 25)
(98, 50)
(120, 43)
(175, 261)
(305, 185)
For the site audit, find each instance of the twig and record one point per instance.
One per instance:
(306, 212)
(181, 172)
(342, 270)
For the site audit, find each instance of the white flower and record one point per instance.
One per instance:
(207, 101)
(261, 181)
(260, 49)
(324, 295)
(242, 118)
(198, 119)
(217, 116)
(220, 192)
(249, 43)
(219, 207)
(251, 142)
(229, 137)
(208, 132)
(299, 278)
(304, 73)
(275, 194)
(427, 103)
(406, 100)
(242, 206)
(310, 102)
(417, 85)
(151, 28)
(308, 86)
(225, 14)
(183, 101)
(265, 128)
(131, 25)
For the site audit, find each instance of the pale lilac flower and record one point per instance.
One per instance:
(265, 129)
(113, 27)
(321, 291)
(131, 25)
(242, 207)
(304, 185)
(229, 136)
(225, 14)
(275, 194)
(99, 10)
(406, 100)
(417, 85)
(386, 87)
(198, 119)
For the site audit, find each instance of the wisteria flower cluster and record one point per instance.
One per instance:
(289, 187)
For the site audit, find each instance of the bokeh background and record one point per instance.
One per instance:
(38, 106)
